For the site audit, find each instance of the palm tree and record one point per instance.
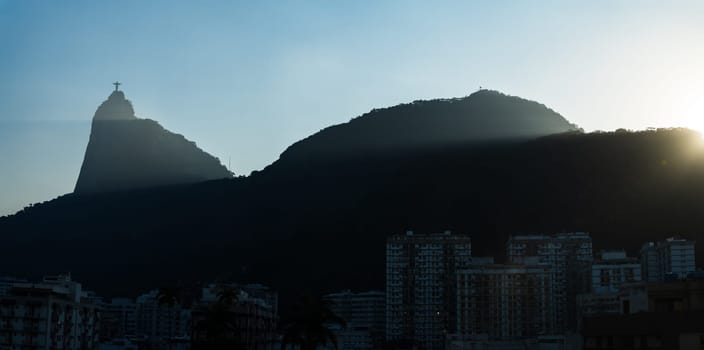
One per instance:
(310, 327)
(167, 297)
(220, 332)
(219, 322)
(228, 296)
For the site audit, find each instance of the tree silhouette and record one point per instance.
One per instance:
(219, 322)
(310, 326)
(228, 296)
(167, 296)
(218, 326)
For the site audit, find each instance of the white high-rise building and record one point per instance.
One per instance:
(676, 257)
(671, 258)
(570, 256)
(421, 286)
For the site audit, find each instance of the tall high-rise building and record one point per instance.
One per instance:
(421, 286)
(570, 256)
(505, 302)
(53, 314)
(676, 257)
(671, 258)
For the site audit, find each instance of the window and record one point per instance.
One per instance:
(604, 278)
(653, 341)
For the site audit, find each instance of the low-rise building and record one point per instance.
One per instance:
(612, 270)
(659, 315)
(597, 304)
(645, 330)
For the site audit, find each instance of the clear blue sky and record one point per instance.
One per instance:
(246, 79)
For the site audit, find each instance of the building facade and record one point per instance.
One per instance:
(676, 257)
(649, 263)
(365, 315)
(119, 319)
(161, 326)
(421, 286)
(52, 314)
(612, 270)
(672, 258)
(6, 284)
(570, 256)
(654, 315)
(610, 273)
(505, 302)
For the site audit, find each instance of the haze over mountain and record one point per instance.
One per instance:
(126, 152)
(304, 221)
(483, 116)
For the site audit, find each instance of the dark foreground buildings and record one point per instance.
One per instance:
(657, 315)
(53, 314)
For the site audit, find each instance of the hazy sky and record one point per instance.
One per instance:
(246, 79)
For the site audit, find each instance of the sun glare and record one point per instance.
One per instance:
(692, 113)
(685, 108)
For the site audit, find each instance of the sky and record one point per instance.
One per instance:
(246, 79)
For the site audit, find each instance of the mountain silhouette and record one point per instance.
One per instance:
(318, 221)
(483, 116)
(125, 152)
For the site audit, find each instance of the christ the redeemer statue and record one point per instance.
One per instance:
(117, 84)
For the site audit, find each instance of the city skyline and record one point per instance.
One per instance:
(368, 175)
(244, 82)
